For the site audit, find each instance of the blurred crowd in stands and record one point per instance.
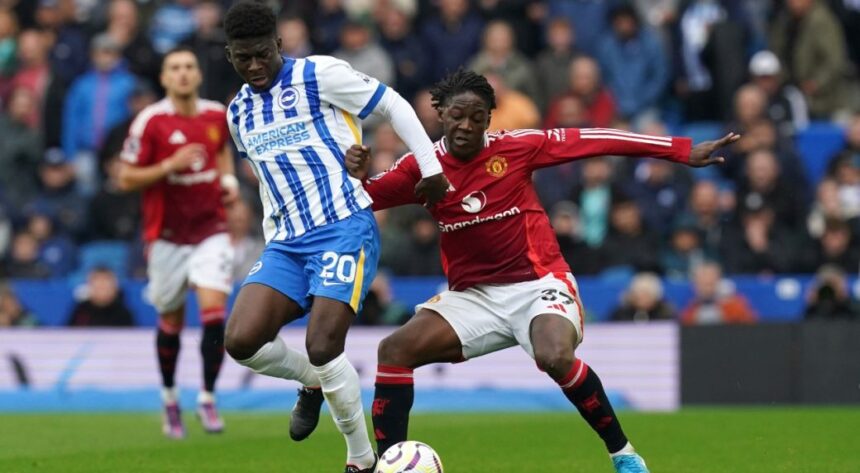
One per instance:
(73, 74)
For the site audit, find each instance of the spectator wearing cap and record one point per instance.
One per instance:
(685, 250)
(715, 302)
(97, 101)
(635, 68)
(220, 82)
(829, 298)
(69, 48)
(124, 27)
(452, 37)
(786, 105)
(12, 312)
(643, 301)
(553, 62)
(58, 197)
(809, 41)
(102, 303)
(171, 24)
(412, 67)
(20, 150)
(499, 55)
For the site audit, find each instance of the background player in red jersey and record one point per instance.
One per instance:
(177, 153)
(509, 284)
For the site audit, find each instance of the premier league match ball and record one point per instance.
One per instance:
(409, 457)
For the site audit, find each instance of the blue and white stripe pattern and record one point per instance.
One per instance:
(295, 134)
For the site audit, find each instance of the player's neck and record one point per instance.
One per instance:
(184, 105)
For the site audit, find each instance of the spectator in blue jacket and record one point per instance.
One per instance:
(453, 37)
(97, 101)
(634, 65)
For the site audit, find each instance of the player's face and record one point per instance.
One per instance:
(180, 74)
(256, 60)
(464, 121)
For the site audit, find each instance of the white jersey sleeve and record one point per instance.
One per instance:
(346, 88)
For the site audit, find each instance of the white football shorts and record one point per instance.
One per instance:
(492, 317)
(172, 268)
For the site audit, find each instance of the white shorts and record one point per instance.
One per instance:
(492, 317)
(172, 268)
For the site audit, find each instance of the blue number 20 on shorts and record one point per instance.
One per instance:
(337, 261)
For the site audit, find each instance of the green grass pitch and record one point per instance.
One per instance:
(818, 440)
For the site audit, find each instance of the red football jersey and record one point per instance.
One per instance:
(185, 207)
(493, 228)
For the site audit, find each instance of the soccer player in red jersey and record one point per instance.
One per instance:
(508, 283)
(177, 153)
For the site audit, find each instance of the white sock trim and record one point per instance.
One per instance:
(626, 450)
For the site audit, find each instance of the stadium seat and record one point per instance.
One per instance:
(816, 145)
(110, 254)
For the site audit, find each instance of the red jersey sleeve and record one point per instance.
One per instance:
(559, 145)
(138, 148)
(395, 186)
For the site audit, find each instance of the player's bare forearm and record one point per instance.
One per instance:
(224, 161)
(134, 178)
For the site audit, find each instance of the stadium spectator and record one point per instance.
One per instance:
(750, 106)
(420, 256)
(514, 110)
(837, 247)
(428, 115)
(328, 22)
(585, 260)
(786, 105)
(588, 18)
(24, 258)
(58, 196)
(584, 82)
(171, 24)
(12, 312)
(295, 38)
(762, 134)
(113, 214)
(247, 246)
(630, 244)
(708, 214)
(852, 136)
(635, 68)
(526, 18)
(658, 14)
(848, 12)
(845, 169)
(763, 183)
(141, 96)
(809, 40)
(694, 84)
(34, 73)
(827, 206)
(452, 37)
(684, 251)
(380, 307)
(714, 302)
(643, 301)
(8, 45)
(829, 298)
(757, 243)
(56, 251)
(97, 101)
(363, 53)
(102, 303)
(68, 41)
(125, 29)
(406, 50)
(20, 150)
(553, 63)
(594, 197)
(499, 56)
(207, 42)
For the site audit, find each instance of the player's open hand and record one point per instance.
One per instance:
(358, 161)
(432, 189)
(700, 155)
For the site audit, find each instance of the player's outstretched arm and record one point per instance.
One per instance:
(700, 155)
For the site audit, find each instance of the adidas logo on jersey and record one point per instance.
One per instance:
(177, 138)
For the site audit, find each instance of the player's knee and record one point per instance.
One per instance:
(321, 350)
(555, 361)
(393, 353)
(238, 344)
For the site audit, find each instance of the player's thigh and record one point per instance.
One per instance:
(477, 317)
(210, 270)
(342, 260)
(549, 318)
(426, 338)
(167, 271)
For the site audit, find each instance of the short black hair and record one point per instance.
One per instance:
(249, 19)
(182, 48)
(462, 81)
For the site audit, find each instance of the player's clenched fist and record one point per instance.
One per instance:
(432, 189)
(185, 156)
(358, 161)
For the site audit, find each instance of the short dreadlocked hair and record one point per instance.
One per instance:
(462, 81)
(249, 19)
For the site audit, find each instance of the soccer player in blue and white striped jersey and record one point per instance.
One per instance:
(293, 121)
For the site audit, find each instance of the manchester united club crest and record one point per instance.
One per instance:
(213, 133)
(497, 166)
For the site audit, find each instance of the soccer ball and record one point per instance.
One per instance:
(409, 457)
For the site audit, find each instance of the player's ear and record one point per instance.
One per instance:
(228, 54)
(278, 44)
